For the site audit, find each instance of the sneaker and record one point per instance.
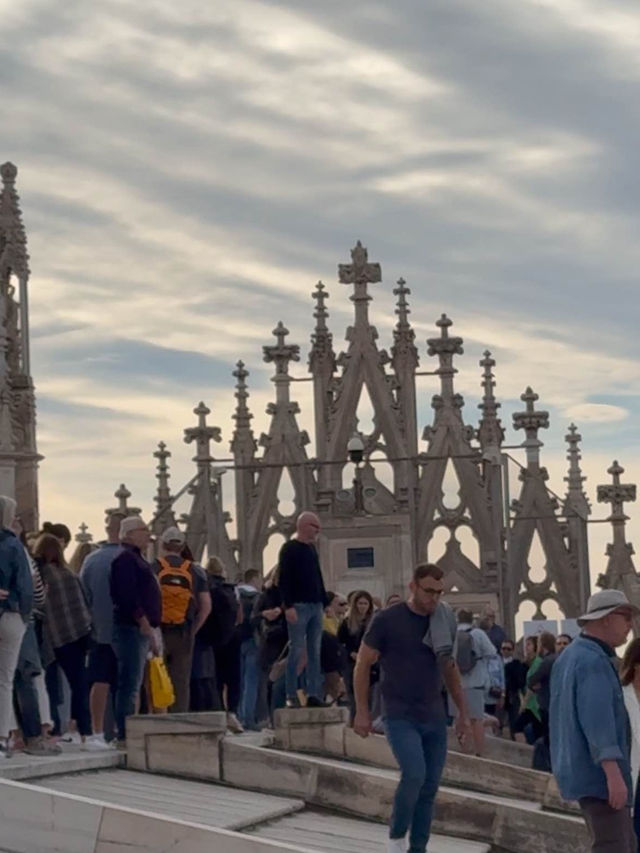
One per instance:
(293, 703)
(396, 845)
(233, 724)
(314, 702)
(71, 737)
(96, 742)
(38, 746)
(5, 751)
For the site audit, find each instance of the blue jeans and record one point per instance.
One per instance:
(306, 632)
(420, 750)
(636, 815)
(249, 679)
(131, 649)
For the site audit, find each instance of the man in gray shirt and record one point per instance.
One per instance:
(415, 721)
(103, 666)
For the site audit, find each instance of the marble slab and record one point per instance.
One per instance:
(34, 820)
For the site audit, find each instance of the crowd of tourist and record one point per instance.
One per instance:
(85, 631)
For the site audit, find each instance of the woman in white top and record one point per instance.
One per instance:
(630, 676)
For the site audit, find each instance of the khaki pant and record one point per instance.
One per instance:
(611, 831)
(12, 630)
(178, 655)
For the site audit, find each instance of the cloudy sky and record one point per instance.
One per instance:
(188, 172)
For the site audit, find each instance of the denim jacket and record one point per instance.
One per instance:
(588, 721)
(15, 575)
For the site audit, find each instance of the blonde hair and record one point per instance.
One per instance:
(215, 566)
(79, 555)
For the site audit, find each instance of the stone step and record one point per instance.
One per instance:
(461, 770)
(40, 820)
(72, 760)
(514, 825)
(200, 802)
(337, 834)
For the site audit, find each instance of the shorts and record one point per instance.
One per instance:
(475, 702)
(103, 665)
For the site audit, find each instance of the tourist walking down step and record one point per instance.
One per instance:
(413, 641)
(589, 725)
(137, 610)
(304, 598)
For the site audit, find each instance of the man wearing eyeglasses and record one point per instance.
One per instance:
(412, 673)
(590, 749)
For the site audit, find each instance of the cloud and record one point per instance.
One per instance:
(598, 412)
(189, 172)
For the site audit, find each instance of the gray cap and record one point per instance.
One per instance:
(603, 603)
(131, 523)
(172, 534)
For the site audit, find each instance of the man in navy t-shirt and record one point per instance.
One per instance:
(412, 676)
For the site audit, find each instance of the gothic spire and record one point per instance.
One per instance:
(13, 240)
(163, 493)
(531, 421)
(490, 433)
(445, 347)
(203, 435)
(242, 435)
(620, 573)
(83, 536)
(360, 273)
(403, 334)
(281, 354)
(123, 494)
(321, 339)
(576, 496)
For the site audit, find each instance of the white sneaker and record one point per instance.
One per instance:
(71, 737)
(397, 845)
(233, 724)
(96, 742)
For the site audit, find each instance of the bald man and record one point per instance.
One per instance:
(304, 599)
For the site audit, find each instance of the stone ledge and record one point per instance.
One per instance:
(461, 770)
(511, 825)
(180, 744)
(292, 717)
(211, 721)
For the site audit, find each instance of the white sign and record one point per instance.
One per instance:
(570, 627)
(535, 627)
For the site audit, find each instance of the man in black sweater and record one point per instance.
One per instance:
(304, 598)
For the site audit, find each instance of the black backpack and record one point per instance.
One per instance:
(248, 597)
(221, 622)
(466, 656)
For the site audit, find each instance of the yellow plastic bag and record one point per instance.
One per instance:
(162, 692)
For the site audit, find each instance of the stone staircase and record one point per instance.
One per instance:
(312, 785)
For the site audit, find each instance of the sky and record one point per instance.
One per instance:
(189, 171)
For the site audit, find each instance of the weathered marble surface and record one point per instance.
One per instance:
(35, 820)
(517, 825)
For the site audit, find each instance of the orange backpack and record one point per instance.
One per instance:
(176, 588)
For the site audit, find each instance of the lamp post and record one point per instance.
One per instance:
(355, 449)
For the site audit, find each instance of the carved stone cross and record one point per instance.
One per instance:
(83, 537)
(617, 493)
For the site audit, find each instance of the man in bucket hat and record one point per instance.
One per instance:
(589, 725)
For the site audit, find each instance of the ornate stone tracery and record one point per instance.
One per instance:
(398, 521)
(18, 452)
